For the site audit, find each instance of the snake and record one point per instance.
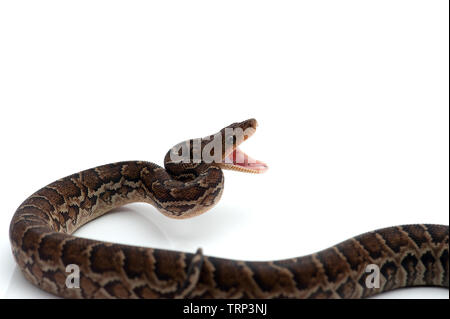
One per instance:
(189, 184)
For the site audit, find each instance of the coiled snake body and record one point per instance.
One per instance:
(42, 244)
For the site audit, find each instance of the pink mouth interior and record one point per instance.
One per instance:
(239, 158)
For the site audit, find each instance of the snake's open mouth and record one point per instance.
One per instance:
(233, 158)
(239, 161)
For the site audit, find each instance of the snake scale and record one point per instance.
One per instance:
(43, 244)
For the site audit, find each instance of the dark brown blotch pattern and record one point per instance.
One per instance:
(304, 270)
(417, 233)
(169, 266)
(372, 244)
(104, 258)
(394, 239)
(50, 247)
(334, 265)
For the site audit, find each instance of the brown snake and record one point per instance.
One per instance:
(42, 244)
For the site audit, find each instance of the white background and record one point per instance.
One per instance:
(351, 98)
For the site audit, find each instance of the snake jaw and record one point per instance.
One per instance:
(237, 160)
(233, 157)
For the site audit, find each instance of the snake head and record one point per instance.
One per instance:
(233, 158)
(191, 157)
